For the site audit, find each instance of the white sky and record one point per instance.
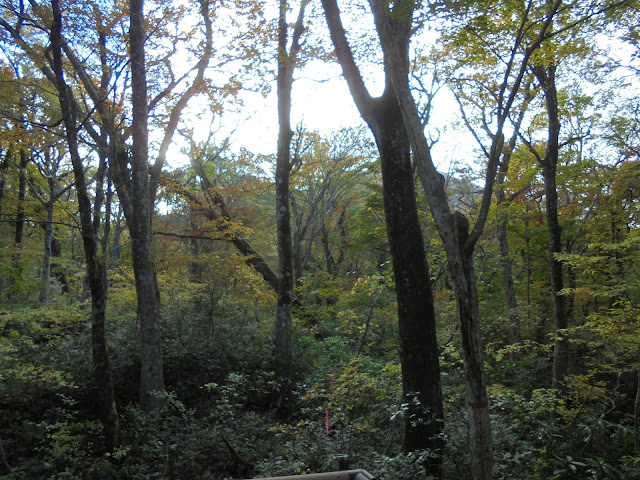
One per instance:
(321, 102)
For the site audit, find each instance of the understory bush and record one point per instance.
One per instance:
(346, 410)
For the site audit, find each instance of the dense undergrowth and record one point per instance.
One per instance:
(218, 421)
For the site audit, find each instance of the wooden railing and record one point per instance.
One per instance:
(343, 475)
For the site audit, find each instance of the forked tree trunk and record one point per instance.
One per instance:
(459, 243)
(419, 353)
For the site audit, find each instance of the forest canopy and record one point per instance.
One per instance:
(251, 239)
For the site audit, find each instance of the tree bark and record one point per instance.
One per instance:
(419, 353)
(106, 232)
(119, 227)
(151, 368)
(297, 240)
(460, 264)
(100, 201)
(102, 366)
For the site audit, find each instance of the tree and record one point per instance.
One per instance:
(325, 182)
(416, 318)
(569, 39)
(476, 49)
(549, 162)
(221, 223)
(95, 268)
(49, 163)
(501, 232)
(151, 373)
(287, 61)
(458, 241)
(22, 192)
(136, 186)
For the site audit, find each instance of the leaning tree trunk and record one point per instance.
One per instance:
(102, 367)
(151, 368)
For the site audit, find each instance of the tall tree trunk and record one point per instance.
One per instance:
(460, 264)
(22, 192)
(515, 336)
(99, 203)
(458, 241)
(48, 237)
(296, 216)
(106, 231)
(115, 244)
(546, 77)
(151, 368)
(283, 328)
(102, 366)
(529, 267)
(419, 353)
(4, 170)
